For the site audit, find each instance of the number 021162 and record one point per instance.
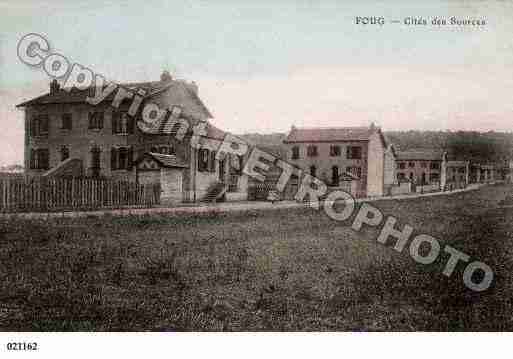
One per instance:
(21, 346)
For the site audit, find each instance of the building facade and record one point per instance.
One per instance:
(422, 167)
(331, 154)
(64, 134)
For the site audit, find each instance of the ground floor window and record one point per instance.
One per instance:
(96, 161)
(335, 176)
(313, 171)
(233, 185)
(64, 153)
(39, 159)
(121, 158)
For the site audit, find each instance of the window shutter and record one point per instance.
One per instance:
(44, 124)
(130, 124)
(130, 158)
(113, 158)
(114, 122)
(32, 160)
(32, 127)
(241, 163)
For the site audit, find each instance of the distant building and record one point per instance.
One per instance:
(331, 154)
(420, 167)
(455, 174)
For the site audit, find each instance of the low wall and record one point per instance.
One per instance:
(402, 188)
(427, 188)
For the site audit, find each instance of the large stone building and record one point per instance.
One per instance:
(67, 135)
(330, 154)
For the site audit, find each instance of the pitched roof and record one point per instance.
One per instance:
(79, 96)
(177, 92)
(457, 163)
(162, 93)
(419, 155)
(325, 134)
(169, 161)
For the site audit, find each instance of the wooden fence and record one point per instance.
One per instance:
(41, 194)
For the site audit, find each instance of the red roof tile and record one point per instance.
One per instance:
(335, 134)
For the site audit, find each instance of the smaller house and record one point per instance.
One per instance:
(421, 167)
(168, 170)
(455, 174)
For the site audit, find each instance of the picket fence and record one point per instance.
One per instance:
(42, 194)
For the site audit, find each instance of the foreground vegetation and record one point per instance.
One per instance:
(273, 270)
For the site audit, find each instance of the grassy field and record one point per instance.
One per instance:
(274, 270)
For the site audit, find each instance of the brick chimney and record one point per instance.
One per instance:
(165, 76)
(54, 86)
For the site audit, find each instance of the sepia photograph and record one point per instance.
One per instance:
(285, 171)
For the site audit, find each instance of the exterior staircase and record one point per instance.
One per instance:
(215, 193)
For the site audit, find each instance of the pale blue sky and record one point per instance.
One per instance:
(265, 65)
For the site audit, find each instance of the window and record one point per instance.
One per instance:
(411, 176)
(39, 126)
(95, 161)
(423, 164)
(434, 166)
(95, 120)
(222, 165)
(335, 151)
(233, 183)
(66, 121)
(401, 165)
(423, 178)
(434, 177)
(311, 151)
(64, 153)
(39, 159)
(121, 158)
(313, 171)
(122, 124)
(354, 153)
(461, 170)
(237, 164)
(295, 153)
(401, 177)
(335, 177)
(356, 171)
(411, 164)
(203, 156)
(212, 162)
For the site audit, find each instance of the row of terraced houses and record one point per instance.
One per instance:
(67, 137)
